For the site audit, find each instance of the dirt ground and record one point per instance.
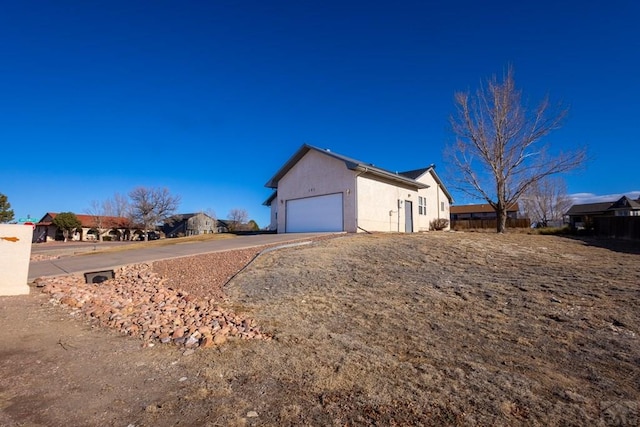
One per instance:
(384, 329)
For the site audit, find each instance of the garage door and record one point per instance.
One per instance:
(320, 213)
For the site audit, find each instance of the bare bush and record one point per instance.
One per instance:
(438, 224)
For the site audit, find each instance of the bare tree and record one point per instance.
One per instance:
(546, 201)
(498, 153)
(113, 212)
(101, 216)
(118, 205)
(150, 206)
(237, 217)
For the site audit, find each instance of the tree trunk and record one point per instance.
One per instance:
(501, 216)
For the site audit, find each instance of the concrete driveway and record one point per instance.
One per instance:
(109, 260)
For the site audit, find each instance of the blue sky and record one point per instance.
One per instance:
(210, 98)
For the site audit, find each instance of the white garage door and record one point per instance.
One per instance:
(320, 213)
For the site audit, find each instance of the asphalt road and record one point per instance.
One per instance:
(109, 260)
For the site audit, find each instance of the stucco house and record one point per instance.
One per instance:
(318, 190)
(111, 227)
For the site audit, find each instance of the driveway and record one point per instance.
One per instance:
(109, 260)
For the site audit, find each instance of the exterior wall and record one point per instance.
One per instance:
(15, 249)
(437, 207)
(200, 223)
(378, 208)
(627, 212)
(273, 224)
(315, 175)
(44, 233)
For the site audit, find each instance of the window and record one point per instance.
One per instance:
(442, 206)
(422, 205)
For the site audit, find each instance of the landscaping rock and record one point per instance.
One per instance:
(141, 303)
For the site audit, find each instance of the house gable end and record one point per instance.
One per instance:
(625, 203)
(349, 163)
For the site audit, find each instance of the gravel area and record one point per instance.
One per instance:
(177, 301)
(205, 275)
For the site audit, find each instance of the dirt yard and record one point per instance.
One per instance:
(425, 329)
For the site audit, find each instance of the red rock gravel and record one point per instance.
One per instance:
(174, 301)
(205, 275)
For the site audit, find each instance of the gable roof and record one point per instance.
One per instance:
(626, 203)
(270, 199)
(589, 208)
(601, 207)
(89, 221)
(352, 164)
(184, 216)
(417, 173)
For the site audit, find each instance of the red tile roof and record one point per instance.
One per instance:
(89, 221)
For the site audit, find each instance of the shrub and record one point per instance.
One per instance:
(552, 231)
(438, 224)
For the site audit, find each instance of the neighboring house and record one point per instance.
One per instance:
(626, 207)
(111, 227)
(317, 190)
(227, 225)
(483, 211)
(581, 216)
(190, 224)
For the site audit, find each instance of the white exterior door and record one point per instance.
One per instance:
(315, 214)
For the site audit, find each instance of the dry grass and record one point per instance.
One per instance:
(464, 328)
(424, 329)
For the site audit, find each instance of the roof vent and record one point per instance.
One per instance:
(327, 150)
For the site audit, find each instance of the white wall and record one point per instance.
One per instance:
(317, 174)
(378, 206)
(435, 198)
(273, 223)
(15, 252)
(367, 206)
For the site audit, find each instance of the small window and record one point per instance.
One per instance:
(422, 205)
(442, 206)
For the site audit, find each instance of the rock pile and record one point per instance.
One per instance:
(42, 257)
(138, 303)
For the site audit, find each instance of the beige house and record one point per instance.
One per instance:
(109, 227)
(317, 190)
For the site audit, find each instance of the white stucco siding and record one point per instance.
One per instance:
(273, 220)
(378, 208)
(437, 203)
(317, 174)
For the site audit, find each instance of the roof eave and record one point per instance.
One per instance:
(273, 182)
(388, 175)
(270, 199)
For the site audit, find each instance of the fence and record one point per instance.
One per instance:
(466, 224)
(619, 227)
